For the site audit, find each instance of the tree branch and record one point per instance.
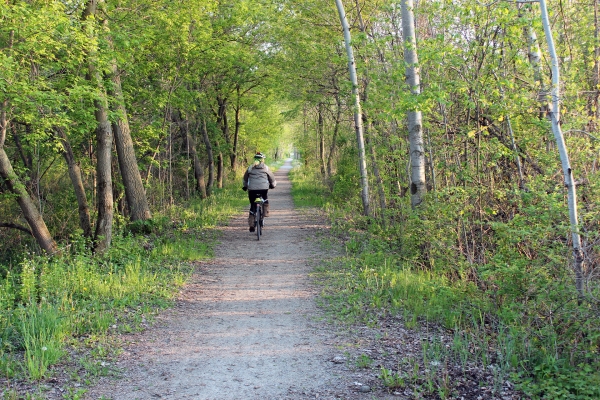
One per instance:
(15, 226)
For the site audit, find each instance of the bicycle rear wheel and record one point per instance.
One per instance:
(258, 216)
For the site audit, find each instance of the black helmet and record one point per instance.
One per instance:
(259, 156)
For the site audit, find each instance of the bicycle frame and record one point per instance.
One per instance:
(259, 217)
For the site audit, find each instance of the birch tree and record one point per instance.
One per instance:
(414, 118)
(357, 109)
(554, 115)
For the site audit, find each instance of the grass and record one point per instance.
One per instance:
(306, 190)
(76, 301)
(43, 330)
(515, 316)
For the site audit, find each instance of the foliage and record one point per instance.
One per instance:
(46, 304)
(486, 255)
(510, 301)
(304, 190)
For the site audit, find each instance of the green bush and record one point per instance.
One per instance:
(498, 277)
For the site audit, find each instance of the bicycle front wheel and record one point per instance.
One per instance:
(258, 216)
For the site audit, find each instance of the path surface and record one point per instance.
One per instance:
(244, 328)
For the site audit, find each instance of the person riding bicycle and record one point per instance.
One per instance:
(258, 179)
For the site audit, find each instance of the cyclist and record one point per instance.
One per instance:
(258, 179)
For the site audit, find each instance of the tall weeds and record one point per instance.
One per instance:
(49, 303)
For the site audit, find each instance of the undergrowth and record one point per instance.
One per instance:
(50, 305)
(507, 297)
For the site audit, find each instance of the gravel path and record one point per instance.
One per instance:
(244, 327)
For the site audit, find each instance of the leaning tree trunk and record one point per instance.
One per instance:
(368, 131)
(564, 157)
(357, 109)
(418, 186)
(130, 173)
(30, 212)
(104, 139)
(75, 175)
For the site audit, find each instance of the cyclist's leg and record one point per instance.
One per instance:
(251, 197)
(265, 196)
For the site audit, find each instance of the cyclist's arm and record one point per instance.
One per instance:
(245, 178)
(271, 178)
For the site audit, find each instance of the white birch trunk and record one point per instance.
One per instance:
(534, 54)
(564, 157)
(357, 109)
(418, 186)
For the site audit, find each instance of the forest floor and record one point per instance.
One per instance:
(247, 326)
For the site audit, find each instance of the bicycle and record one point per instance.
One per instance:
(259, 217)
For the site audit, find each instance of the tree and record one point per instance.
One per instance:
(130, 173)
(357, 109)
(554, 115)
(104, 141)
(30, 211)
(415, 124)
(75, 175)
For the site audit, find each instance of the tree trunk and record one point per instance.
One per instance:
(595, 103)
(198, 167)
(321, 135)
(336, 129)
(223, 123)
(357, 109)
(220, 172)
(564, 157)
(104, 137)
(534, 54)
(135, 192)
(103, 233)
(30, 212)
(418, 186)
(211, 159)
(75, 175)
(378, 179)
(236, 134)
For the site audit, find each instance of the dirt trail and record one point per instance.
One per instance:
(243, 328)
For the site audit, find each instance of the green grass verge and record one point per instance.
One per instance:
(48, 305)
(307, 189)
